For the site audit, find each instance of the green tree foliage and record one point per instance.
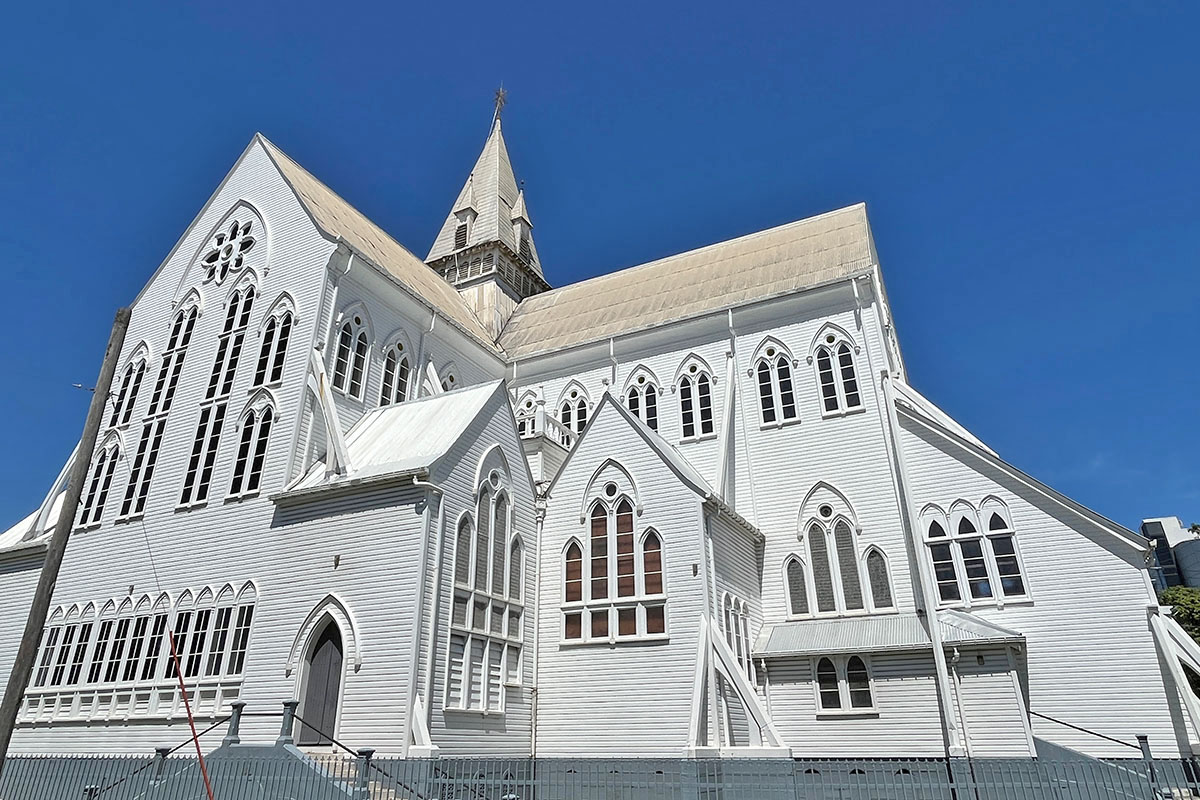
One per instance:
(1185, 603)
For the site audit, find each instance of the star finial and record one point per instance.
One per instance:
(500, 99)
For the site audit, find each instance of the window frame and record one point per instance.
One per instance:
(353, 332)
(950, 523)
(640, 601)
(828, 526)
(769, 354)
(830, 341)
(840, 663)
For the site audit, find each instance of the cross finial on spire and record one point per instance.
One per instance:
(500, 99)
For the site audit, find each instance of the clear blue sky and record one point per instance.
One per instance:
(1030, 169)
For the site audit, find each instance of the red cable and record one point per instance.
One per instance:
(188, 707)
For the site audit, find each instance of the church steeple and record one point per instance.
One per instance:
(485, 247)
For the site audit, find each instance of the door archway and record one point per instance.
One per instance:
(322, 687)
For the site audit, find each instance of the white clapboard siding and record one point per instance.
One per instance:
(627, 699)
(988, 693)
(907, 723)
(1091, 657)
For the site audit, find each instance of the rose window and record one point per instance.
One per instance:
(229, 249)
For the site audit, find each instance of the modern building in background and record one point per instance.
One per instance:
(692, 507)
(1176, 559)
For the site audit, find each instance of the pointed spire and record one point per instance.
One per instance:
(492, 208)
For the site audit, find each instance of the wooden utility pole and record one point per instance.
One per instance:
(22, 667)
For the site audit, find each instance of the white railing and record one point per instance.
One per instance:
(535, 422)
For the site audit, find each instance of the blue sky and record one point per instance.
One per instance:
(1030, 170)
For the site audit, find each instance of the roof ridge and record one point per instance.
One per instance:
(694, 251)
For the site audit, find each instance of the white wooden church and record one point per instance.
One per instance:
(689, 508)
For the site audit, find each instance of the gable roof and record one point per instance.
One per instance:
(948, 430)
(800, 255)
(340, 220)
(491, 191)
(403, 439)
(670, 455)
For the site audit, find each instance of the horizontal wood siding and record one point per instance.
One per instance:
(1092, 661)
(988, 692)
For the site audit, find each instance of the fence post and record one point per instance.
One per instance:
(233, 732)
(160, 763)
(289, 722)
(962, 785)
(361, 789)
(1144, 742)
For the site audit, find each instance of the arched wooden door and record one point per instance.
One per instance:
(321, 688)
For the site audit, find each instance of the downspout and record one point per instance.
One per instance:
(710, 603)
(539, 517)
(725, 487)
(415, 658)
(612, 357)
(431, 623)
(908, 515)
(737, 369)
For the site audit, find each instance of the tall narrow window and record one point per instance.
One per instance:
(97, 493)
(573, 411)
(350, 362)
(836, 376)
(1008, 567)
(827, 685)
(642, 399)
(796, 588)
(945, 571)
(273, 349)
(573, 571)
(395, 376)
(776, 394)
(252, 451)
(687, 411)
(486, 632)
(599, 551)
(131, 384)
(141, 472)
(858, 682)
(974, 563)
(704, 403)
(877, 574)
(847, 558)
(818, 548)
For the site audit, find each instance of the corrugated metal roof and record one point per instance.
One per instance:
(340, 219)
(875, 633)
(405, 437)
(795, 256)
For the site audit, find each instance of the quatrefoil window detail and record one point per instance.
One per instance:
(228, 251)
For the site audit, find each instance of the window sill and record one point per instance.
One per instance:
(851, 713)
(91, 526)
(824, 615)
(843, 412)
(237, 498)
(1018, 602)
(472, 712)
(704, 437)
(131, 518)
(191, 506)
(657, 638)
(766, 426)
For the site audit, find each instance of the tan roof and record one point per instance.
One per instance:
(340, 219)
(773, 262)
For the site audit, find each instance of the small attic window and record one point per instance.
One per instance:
(460, 236)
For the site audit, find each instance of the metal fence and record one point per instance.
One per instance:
(282, 775)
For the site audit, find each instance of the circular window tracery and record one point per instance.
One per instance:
(228, 250)
(825, 511)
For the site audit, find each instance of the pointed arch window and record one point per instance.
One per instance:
(833, 554)
(642, 399)
(973, 566)
(486, 628)
(229, 343)
(573, 410)
(695, 403)
(623, 595)
(836, 376)
(252, 451)
(131, 384)
(737, 631)
(776, 393)
(395, 376)
(273, 349)
(797, 588)
(880, 584)
(97, 490)
(843, 685)
(350, 361)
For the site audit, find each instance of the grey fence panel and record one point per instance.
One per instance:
(287, 775)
